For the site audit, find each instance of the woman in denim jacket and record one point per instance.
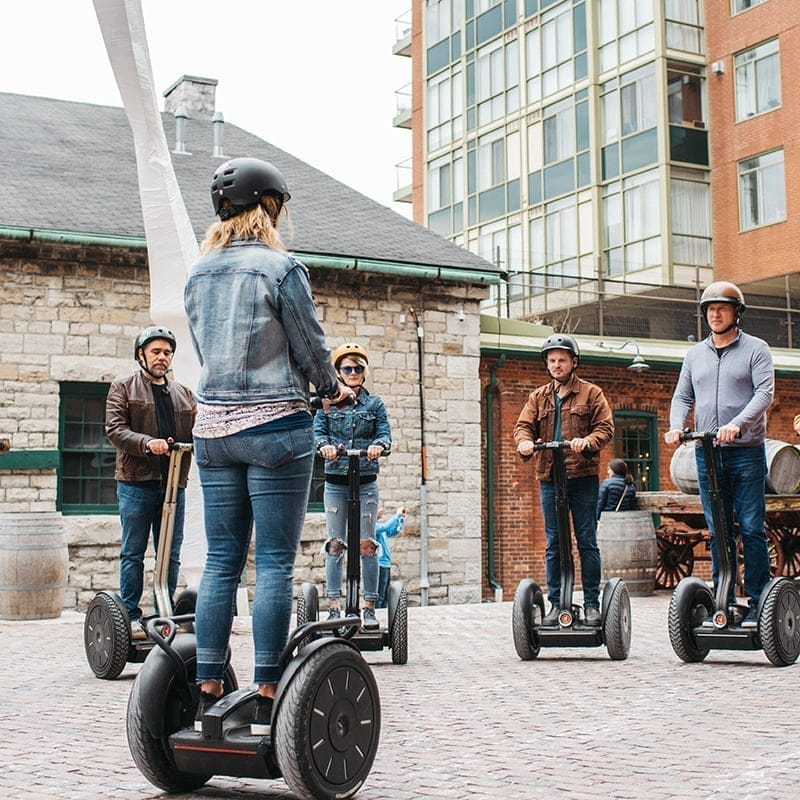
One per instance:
(362, 426)
(256, 333)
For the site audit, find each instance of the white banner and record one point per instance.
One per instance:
(171, 244)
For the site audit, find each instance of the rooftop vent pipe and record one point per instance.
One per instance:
(218, 126)
(181, 116)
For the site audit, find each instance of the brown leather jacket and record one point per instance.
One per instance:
(131, 424)
(585, 414)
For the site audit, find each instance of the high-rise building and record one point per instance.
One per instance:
(612, 156)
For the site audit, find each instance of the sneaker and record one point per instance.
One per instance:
(203, 704)
(592, 616)
(334, 613)
(370, 620)
(751, 620)
(551, 617)
(262, 717)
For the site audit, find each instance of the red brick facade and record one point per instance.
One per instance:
(518, 527)
(744, 257)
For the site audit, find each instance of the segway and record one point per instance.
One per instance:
(570, 629)
(699, 621)
(395, 634)
(108, 637)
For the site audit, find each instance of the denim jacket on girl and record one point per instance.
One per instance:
(254, 327)
(356, 427)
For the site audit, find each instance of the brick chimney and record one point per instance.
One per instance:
(194, 95)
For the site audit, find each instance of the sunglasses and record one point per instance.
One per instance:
(348, 370)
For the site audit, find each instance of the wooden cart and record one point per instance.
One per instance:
(683, 538)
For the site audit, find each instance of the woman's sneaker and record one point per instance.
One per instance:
(262, 717)
(370, 620)
(334, 613)
(203, 704)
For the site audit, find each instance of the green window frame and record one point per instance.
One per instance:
(86, 482)
(636, 443)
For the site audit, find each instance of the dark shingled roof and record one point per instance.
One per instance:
(71, 167)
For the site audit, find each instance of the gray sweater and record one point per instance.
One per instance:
(737, 386)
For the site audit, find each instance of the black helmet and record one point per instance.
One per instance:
(242, 182)
(722, 292)
(561, 341)
(148, 334)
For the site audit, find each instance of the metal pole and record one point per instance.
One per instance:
(423, 489)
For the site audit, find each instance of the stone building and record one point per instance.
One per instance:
(75, 291)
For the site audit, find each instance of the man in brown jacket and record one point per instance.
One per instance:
(571, 410)
(144, 413)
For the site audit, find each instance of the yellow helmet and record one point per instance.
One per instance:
(348, 349)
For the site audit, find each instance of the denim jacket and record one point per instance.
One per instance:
(356, 427)
(254, 327)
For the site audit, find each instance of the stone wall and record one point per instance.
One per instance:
(70, 313)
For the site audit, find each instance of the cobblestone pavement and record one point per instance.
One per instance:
(465, 718)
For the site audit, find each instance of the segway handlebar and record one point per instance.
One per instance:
(186, 447)
(690, 435)
(538, 446)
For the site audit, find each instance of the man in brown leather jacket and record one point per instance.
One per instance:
(144, 413)
(572, 410)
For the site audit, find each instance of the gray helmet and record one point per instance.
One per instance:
(561, 341)
(148, 334)
(242, 182)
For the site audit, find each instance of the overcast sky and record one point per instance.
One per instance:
(316, 78)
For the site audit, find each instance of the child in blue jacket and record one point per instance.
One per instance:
(385, 530)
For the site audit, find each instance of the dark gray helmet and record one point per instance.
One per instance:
(242, 182)
(561, 341)
(148, 334)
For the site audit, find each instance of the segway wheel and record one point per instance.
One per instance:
(328, 724)
(690, 604)
(779, 623)
(307, 609)
(526, 618)
(398, 622)
(106, 636)
(617, 623)
(152, 754)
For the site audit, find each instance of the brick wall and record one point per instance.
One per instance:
(519, 530)
(71, 313)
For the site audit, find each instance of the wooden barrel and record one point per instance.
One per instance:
(628, 549)
(683, 469)
(783, 468)
(34, 565)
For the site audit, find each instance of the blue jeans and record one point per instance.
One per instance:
(384, 578)
(140, 512)
(335, 499)
(582, 495)
(742, 474)
(246, 478)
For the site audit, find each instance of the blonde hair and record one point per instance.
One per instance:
(259, 222)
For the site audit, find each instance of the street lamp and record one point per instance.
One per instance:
(638, 364)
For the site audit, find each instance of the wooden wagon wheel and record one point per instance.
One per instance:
(776, 538)
(787, 543)
(675, 558)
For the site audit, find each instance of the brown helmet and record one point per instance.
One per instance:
(348, 349)
(722, 292)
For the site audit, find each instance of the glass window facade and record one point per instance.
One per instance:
(626, 30)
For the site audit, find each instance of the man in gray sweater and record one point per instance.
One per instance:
(729, 379)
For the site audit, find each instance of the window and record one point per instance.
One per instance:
(438, 19)
(762, 190)
(743, 5)
(86, 482)
(632, 224)
(559, 132)
(626, 31)
(683, 29)
(497, 81)
(445, 109)
(691, 218)
(635, 442)
(757, 74)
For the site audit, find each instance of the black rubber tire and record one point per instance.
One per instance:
(398, 625)
(151, 754)
(307, 604)
(106, 636)
(690, 604)
(328, 724)
(779, 623)
(617, 624)
(526, 618)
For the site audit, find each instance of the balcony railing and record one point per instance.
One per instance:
(402, 35)
(402, 117)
